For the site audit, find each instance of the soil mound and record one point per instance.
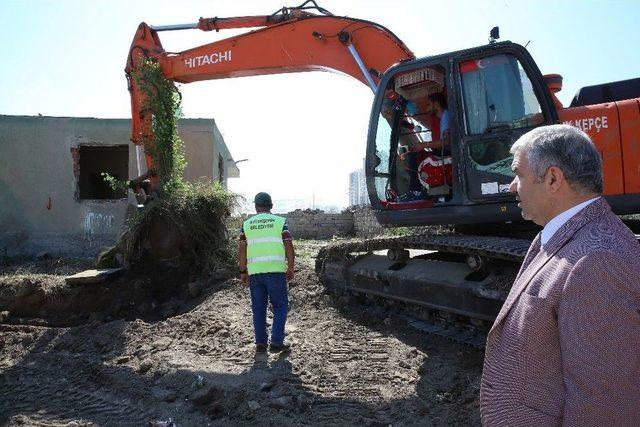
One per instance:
(30, 297)
(186, 229)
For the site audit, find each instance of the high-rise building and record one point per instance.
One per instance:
(358, 188)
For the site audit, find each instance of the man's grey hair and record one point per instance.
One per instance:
(567, 148)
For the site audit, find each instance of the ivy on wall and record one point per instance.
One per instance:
(163, 101)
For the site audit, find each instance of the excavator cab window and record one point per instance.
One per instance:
(497, 93)
(499, 105)
(406, 122)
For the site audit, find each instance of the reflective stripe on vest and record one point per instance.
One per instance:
(265, 249)
(265, 240)
(266, 258)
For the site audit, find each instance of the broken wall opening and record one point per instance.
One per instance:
(220, 169)
(95, 160)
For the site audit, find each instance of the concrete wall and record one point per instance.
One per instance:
(202, 161)
(40, 209)
(357, 221)
(365, 223)
(315, 224)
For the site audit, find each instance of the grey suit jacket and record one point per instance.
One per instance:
(565, 347)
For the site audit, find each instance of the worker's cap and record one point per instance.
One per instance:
(263, 199)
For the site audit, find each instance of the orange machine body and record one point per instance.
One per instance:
(614, 128)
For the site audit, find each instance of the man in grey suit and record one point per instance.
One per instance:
(565, 348)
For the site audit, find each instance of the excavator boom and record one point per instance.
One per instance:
(290, 40)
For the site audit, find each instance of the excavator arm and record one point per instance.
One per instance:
(290, 40)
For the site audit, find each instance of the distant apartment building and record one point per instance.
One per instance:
(358, 188)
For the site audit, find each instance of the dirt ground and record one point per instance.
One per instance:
(78, 358)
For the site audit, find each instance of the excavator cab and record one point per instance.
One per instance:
(493, 94)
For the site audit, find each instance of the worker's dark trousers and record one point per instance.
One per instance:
(269, 287)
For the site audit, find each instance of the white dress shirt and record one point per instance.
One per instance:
(558, 221)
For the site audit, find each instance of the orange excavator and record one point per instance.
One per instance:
(493, 94)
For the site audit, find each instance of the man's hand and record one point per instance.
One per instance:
(291, 256)
(245, 278)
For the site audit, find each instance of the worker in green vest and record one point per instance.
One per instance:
(266, 260)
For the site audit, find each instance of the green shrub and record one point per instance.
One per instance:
(193, 215)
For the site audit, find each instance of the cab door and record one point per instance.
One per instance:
(502, 97)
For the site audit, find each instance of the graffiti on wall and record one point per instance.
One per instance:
(96, 223)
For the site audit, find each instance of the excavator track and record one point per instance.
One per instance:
(468, 335)
(451, 285)
(505, 248)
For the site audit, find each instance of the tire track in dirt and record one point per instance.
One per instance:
(354, 349)
(68, 397)
(352, 372)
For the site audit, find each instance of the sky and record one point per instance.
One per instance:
(301, 133)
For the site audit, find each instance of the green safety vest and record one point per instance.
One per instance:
(265, 249)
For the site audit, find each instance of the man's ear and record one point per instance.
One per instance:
(554, 178)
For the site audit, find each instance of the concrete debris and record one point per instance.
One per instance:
(93, 276)
(145, 367)
(163, 423)
(123, 359)
(161, 343)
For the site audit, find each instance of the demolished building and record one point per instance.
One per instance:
(53, 197)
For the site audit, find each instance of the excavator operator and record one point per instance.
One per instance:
(438, 118)
(438, 107)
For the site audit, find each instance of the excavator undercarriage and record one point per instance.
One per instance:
(455, 284)
(446, 283)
